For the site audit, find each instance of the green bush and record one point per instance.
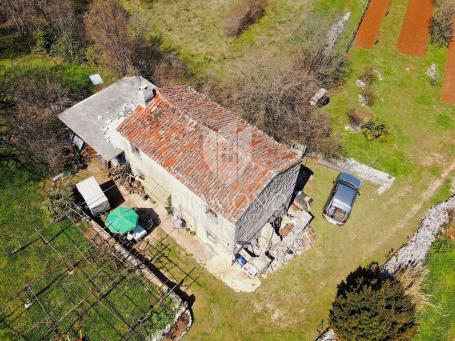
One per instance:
(375, 130)
(371, 307)
(41, 42)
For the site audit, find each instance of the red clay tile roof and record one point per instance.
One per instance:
(219, 157)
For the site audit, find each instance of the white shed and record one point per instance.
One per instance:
(93, 195)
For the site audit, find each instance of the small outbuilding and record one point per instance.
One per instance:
(93, 196)
(90, 119)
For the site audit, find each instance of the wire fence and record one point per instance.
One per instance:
(130, 288)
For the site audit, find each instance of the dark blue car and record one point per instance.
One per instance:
(339, 206)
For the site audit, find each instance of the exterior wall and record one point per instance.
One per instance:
(273, 201)
(186, 204)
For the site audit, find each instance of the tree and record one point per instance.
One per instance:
(277, 102)
(243, 14)
(441, 27)
(107, 27)
(34, 98)
(62, 27)
(51, 24)
(369, 306)
(20, 15)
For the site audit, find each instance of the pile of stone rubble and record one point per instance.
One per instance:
(275, 248)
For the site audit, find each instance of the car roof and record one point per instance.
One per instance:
(349, 178)
(344, 195)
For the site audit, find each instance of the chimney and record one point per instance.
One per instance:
(145, 95)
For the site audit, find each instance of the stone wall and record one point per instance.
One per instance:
(186, 204)
(414, 252)
(273, 201)
(327, 335)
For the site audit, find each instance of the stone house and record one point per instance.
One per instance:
(220, 175)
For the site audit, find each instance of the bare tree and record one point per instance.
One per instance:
(320, 57)
(55, 21)
(442, 24)
(277, 102)
(20, 15)
(242, 15)
(107, 27)
(37, 103)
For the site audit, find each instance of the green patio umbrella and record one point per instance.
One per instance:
(122, 220)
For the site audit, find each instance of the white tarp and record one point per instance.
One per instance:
(93, 195)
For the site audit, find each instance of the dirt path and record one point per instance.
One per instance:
(448, 89)
(366, 36)
(428, 194)
(414, 33)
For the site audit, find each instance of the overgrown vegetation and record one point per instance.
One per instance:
(371, 307)
(243, 14)
(441, 27)
(358, 117)
(437, 320)
(277, 98)
(60, 197)
(368, 76)
(47, 26)
(34, 92)
(368, 96)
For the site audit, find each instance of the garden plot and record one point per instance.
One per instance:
(448, 90)
(369, 28)
(415, 35)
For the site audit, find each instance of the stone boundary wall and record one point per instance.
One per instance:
(414, 252)
(327, 335)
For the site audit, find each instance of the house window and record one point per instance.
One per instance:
(134, 149)
(211, 237)
(211, 212)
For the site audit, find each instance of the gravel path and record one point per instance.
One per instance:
(383, 179)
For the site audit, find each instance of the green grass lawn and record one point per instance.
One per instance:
(437, 322)
(195, 30)
(21, 212)
(421, 126)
